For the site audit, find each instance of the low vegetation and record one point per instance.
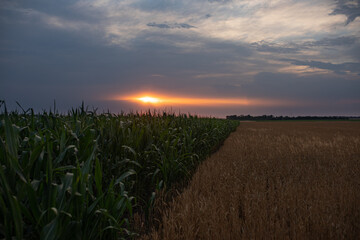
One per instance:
(82, 175)
(273, 180)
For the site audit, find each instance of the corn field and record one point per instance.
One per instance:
(82, 175)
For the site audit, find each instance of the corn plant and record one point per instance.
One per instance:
(81, 175)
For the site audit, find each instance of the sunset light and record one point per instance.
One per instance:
(148, 99)
(166, 100)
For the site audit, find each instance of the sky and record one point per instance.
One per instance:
(206, 57)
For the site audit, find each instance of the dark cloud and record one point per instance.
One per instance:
(274, 48)
(340, 41)
(354, 51)
(170, 25)
(292, 86)
(219, 1)
(350, 8)
(323, 94)
(158, 5)
(337, 68)
(64, 9)
(289, 48)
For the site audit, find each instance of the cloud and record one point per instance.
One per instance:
(264, 46)
(343, 68)
(339, 41)
(158, 6)
(50, 20)
(120, 22)
(170, 25)
(238, 21)
(214, 75)
(292, 86)
(219, 1)
(349, 8)
(271, 21)
(301, 47)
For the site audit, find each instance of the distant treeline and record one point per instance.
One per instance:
(271, 117)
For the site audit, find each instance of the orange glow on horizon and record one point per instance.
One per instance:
(147, 99)
(156, 99)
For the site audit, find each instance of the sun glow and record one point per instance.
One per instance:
(148, 99)
(163, 100)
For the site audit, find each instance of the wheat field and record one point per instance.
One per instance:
(273, 180)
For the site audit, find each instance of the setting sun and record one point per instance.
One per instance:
(148, 99)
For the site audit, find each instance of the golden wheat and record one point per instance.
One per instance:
(273, 180)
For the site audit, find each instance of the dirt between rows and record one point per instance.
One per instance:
(273, 180)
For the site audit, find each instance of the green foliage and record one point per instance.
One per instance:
(81, 175)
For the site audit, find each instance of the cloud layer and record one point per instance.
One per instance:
(89, 50)
(349, 8)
